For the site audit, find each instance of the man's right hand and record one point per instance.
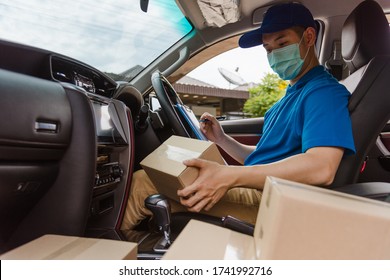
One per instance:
(211, 128)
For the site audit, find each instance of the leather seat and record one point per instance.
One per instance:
(366, 51)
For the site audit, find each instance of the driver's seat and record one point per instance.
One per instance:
(366, 51)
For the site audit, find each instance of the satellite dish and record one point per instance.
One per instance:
(231, 77)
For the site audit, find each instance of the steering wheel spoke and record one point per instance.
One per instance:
(181, 118)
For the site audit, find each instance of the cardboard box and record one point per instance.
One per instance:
(59, 247)
(203, 241)
(298, 221)
(165, 165)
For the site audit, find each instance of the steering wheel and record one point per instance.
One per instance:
(180, 117)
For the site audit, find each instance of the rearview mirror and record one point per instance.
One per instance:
(144, 5)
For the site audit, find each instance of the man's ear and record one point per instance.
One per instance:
(310, 36)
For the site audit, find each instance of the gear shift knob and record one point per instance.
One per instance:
(161, 209)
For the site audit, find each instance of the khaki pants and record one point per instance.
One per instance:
(242, 203)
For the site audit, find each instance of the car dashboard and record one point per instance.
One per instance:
(66, 147)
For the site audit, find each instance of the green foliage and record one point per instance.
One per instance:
(264, 95)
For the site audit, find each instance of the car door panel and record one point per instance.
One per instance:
(245, 131)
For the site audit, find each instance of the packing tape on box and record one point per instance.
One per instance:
(177, 154)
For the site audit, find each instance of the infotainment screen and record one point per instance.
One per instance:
(107, 132)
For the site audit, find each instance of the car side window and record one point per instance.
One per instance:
(221, 85)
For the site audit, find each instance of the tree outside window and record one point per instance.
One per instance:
(264, 95)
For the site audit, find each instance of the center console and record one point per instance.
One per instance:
(113, 164)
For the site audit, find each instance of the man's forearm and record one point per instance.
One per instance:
(235, 149)
(317, 167)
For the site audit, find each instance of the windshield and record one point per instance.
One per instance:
(115, 37)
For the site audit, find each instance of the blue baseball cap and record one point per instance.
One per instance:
(278, 18)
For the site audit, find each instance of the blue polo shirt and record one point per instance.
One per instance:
(313, 113)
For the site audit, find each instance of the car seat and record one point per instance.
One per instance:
(366, 51)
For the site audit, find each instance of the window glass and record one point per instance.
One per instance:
(113, 36)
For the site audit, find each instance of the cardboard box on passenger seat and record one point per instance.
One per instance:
(165, 167)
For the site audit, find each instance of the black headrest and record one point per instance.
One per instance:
(365, 34)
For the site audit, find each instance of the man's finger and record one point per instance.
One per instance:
(194, 162)
(200, 205)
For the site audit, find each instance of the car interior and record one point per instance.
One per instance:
(71, 137)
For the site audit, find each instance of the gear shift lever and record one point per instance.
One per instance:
(161, 210)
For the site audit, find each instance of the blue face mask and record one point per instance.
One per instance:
(287, 61)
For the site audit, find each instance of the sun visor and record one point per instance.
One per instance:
(218, 13)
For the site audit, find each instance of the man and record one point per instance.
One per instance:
(305, 134)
